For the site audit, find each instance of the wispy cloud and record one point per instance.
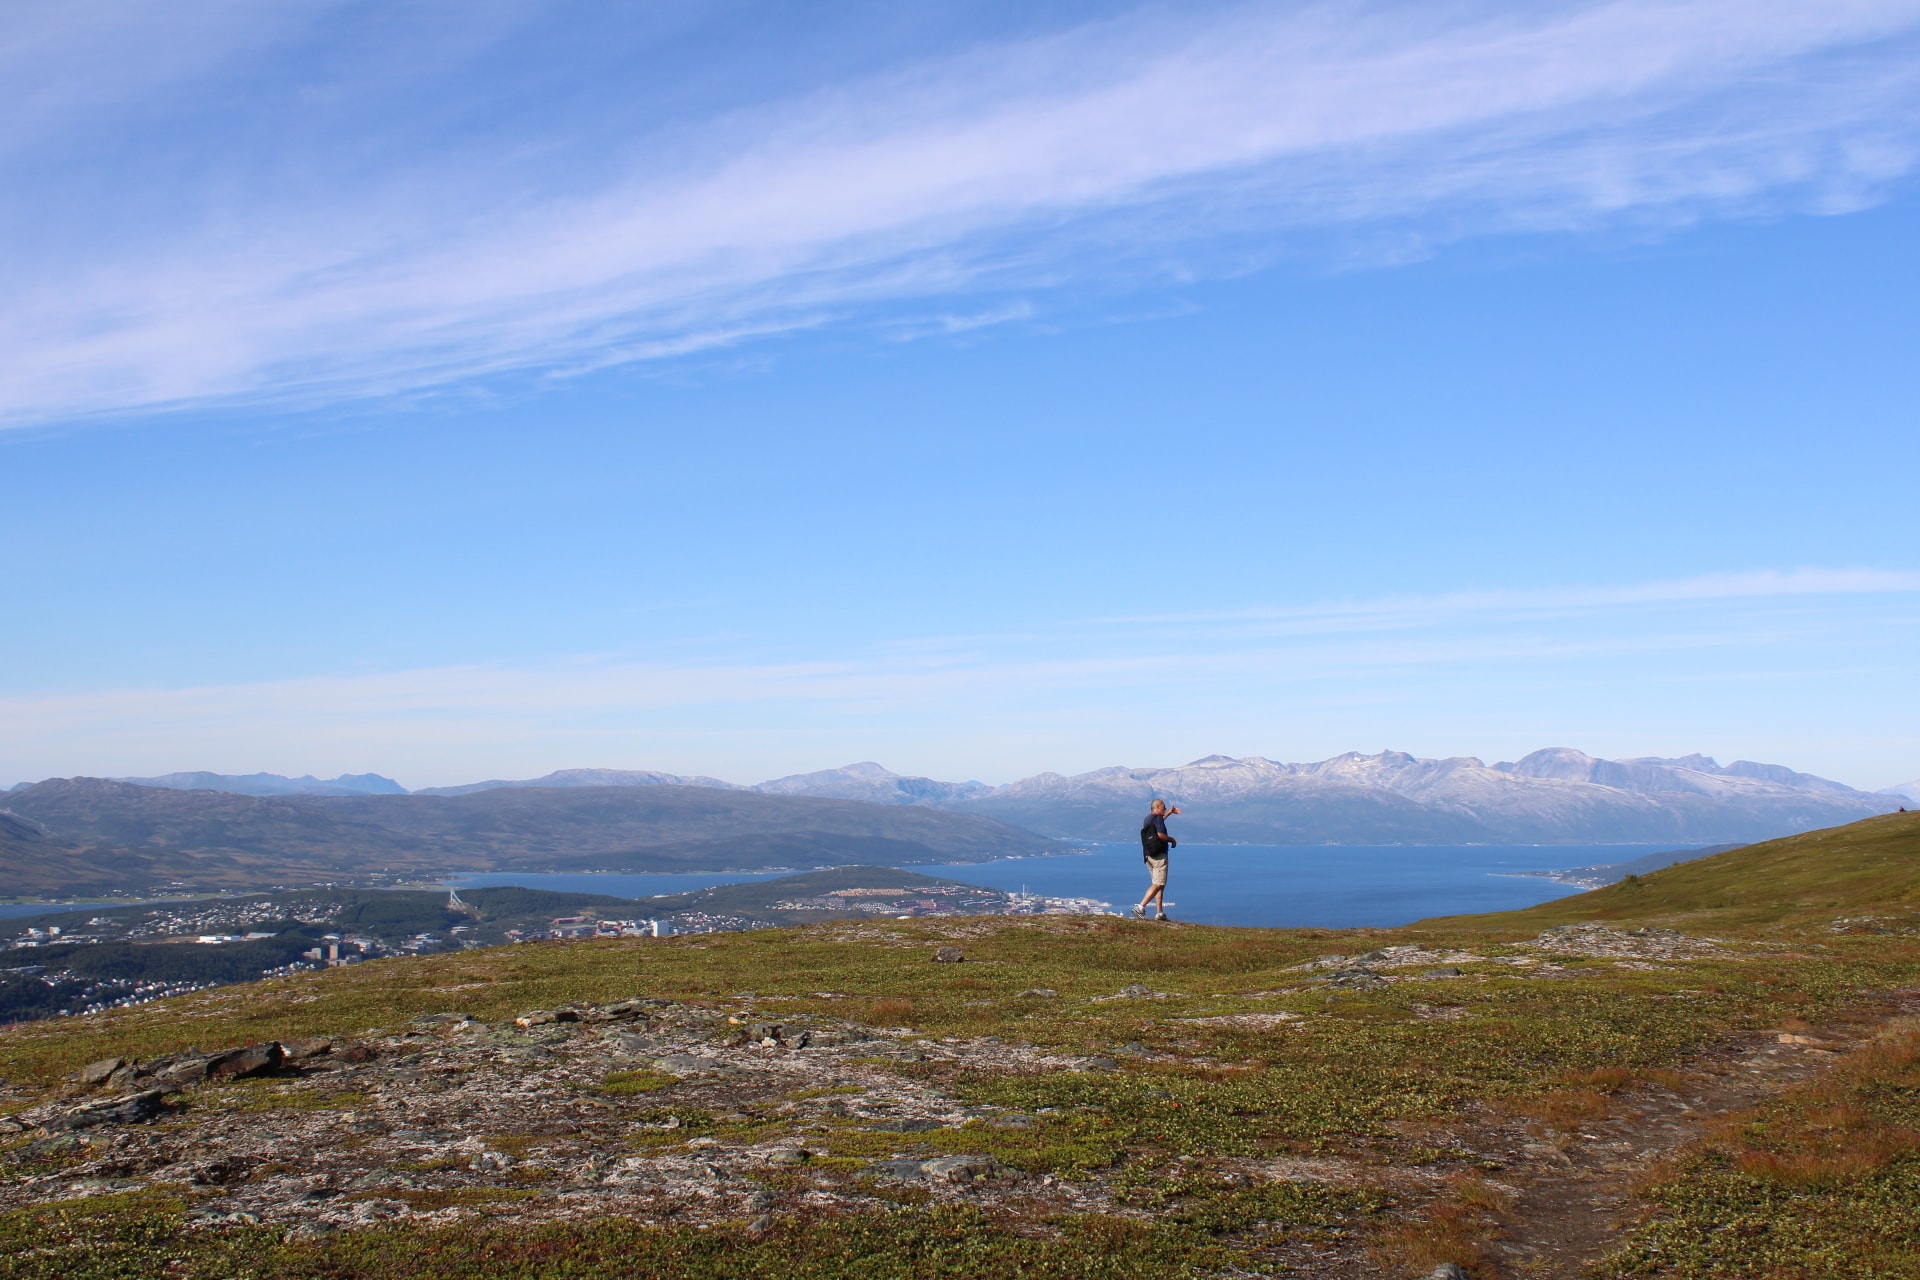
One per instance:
(335, 265)
(722, 714)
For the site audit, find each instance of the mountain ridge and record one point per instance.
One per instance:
(100, 835)
(1556, 795)
(273, 784)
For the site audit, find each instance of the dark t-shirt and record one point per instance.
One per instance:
(1153, 836)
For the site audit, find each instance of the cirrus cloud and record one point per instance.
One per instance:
(385, 226)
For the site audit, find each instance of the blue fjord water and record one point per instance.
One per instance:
(1276, 886)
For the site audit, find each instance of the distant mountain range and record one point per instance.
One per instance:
(273, 784)
(587, 778)
(1554, 796)
(94, 835)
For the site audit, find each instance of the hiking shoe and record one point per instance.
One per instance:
(1139, 913)
(1161, 916)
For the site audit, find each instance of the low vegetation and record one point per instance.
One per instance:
(1183, 1101)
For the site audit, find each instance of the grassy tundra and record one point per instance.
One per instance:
(1711, 1071)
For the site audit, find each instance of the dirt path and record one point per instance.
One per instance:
(1573, 1192)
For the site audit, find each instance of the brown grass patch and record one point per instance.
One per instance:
(888, 1013)
(1600, 1079)
(1565, 1108)
(1457, 1226)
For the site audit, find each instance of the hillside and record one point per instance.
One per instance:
(1866, 873)
(1062, 1097)
(116, 835)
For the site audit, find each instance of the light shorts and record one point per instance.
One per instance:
(1157, 869)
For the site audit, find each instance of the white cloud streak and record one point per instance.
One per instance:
(711, 715)
(1020, 166)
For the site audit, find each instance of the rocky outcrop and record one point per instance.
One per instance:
(646, 1107)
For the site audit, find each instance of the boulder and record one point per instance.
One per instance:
(904, 1168)
(131, 1108)
(242, 1064)
(95, 1074)
(185, 1069)
(301, 1049)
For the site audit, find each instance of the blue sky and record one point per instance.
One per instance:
(740, 389)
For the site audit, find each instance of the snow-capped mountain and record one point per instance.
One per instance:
(1555, 796)
(586, 778)
(274, 784)
(871, 782)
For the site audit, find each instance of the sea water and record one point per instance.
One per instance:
(1304, 886)
(1274, 886)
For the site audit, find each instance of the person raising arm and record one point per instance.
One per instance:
(1154, 843)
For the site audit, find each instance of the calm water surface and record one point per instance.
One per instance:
(1277, 886)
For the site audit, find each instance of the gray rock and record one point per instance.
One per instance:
(183, 1070)
(62, 1145)
(96, 1073)
(969, 1168)
(241, 1064)
(1042, 993)
(903, 1168)
(685, 1064)
(907, 1126)
(948, 955)
(629, 1042)
(131, 1109)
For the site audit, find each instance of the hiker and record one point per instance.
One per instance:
(1154, 843)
